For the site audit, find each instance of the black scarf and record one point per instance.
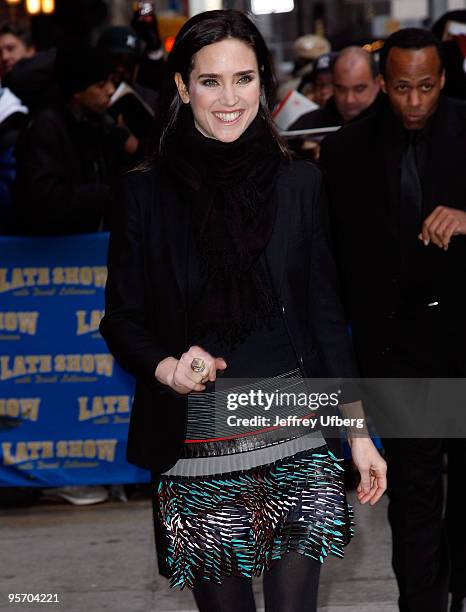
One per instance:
(230, 188)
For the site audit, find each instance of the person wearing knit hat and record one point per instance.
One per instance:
(83, 75)
(70, 155)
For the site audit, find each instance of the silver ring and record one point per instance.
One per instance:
(197, 364)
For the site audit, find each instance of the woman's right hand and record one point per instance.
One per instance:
(179, 376)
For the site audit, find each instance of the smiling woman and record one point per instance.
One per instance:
(205, 282)
(223, 99)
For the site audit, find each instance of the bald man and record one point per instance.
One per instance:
(356, 92)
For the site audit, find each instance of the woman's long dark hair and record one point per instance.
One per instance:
(205, 29)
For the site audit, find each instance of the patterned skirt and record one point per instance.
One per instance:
(239, 523)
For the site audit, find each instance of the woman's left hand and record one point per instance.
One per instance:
(372, 468)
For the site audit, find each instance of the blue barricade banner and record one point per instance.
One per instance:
(64, 402)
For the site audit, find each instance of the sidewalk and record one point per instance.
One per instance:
(101, 557)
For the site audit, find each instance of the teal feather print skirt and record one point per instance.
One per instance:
(240, 523)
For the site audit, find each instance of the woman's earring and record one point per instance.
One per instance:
(263, 99)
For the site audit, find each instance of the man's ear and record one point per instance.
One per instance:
(182, 89)
(442, 80)
(383, 84)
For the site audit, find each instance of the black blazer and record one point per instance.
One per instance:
(361, 167)
(145, 316)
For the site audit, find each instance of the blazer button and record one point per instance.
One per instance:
(283, 309)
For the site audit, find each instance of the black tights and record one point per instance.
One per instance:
(289, 586)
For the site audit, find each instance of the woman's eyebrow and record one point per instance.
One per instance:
(216, 76)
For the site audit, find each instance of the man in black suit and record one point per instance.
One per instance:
(397, 191)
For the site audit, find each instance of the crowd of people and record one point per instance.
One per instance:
(65, 138)
(394, 216)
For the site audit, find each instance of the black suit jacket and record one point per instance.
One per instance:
(361, 166)
(145, 316)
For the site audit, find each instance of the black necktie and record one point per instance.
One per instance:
(410, 193)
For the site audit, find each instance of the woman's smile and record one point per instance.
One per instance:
(228, 116)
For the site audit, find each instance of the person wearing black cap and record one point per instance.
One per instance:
(125, 50)
(68, 156)
(133, 105)
(318, 84)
